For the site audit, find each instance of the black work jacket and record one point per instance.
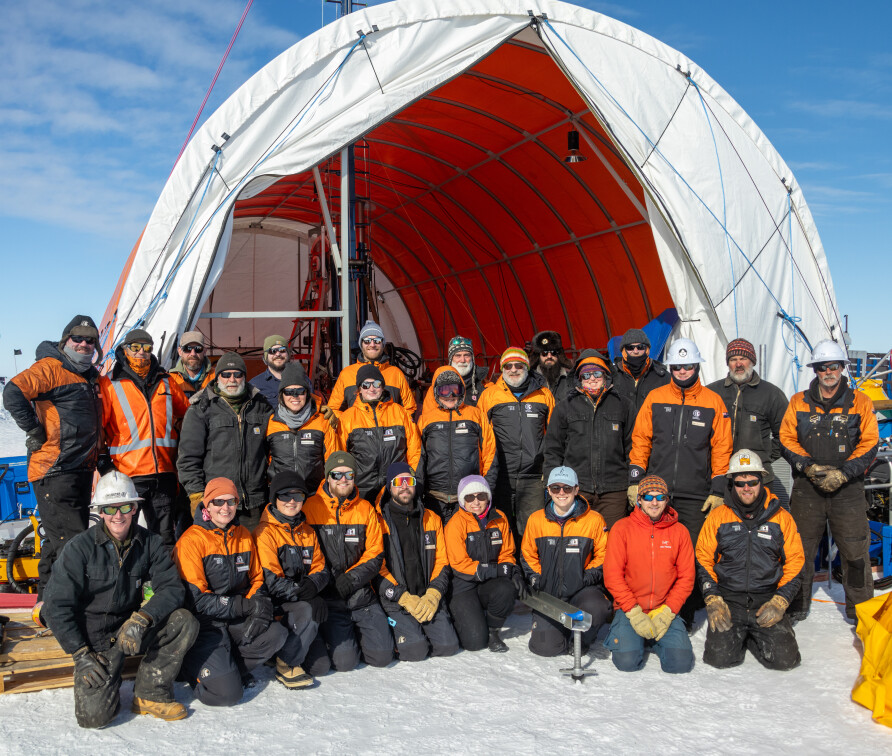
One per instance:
(656, 374)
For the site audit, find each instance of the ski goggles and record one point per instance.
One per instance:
(403, 480)
(372, 340)
(823, 367)
(677, 368)
(514, 366)
(294, 391)
(370, 384)
(137, 348)
(290, 495)
(228, 375)
(448, 390)
(746, 483)
(481, 496)
(337, 475)
(112, 508)
(557, 488)
(277, 350)
(460, 342)
(654, 497)
(219, 503)
(196, 348)
(83, 340)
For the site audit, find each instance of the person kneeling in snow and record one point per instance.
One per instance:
(416, 571)
(94, 606)
(649, 571)
(486, 578)
(562, 554)
(294, 572)
(749, 560)
(218, 561)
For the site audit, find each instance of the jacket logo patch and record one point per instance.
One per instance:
(307, 552)
(574, 542)
(664, 544)
(763, 528)
(667, 409)
(615, 426)
(528, 407)
(511, 407)
(438, 426)
(389, 593)
(471, 536)
(292, 550)
(725, 414)
(462, 425)
(307, 435)
(754, 419)
(696, 414)
(814, 419)
(218, 560)
(370, 433)
(256, 430)
(239, 559)
(552, 542)
(427, 537)
(350, 531)
(735, 528)
(388, 431)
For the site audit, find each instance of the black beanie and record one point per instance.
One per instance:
(230, 361)
(284, 481)
(368, 373)
(80, 325)
(634, 336)
(294, 374)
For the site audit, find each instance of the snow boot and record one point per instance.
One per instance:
(169, 712)
(292, 677)
(496, 644)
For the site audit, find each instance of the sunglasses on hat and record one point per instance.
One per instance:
(294, 391)
(337, 475)
(122, 508)
(83, 340)
(137, 348)
(196, 348)
(370, 384)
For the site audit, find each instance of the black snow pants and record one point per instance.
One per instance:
(345, 633)
(160, 494)
(414, 640)
(690, 515)
(484, 607)
(64, 502)
(551, 638)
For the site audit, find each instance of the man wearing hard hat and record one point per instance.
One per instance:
(829, 435)
(94, 606)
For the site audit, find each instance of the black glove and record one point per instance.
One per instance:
(35, 438)
(487, 571)
(241, 606)
(306, 589)
(91, 667)
(520, 585)
(259, 619)
(592, 576)
(344, 585)
(131, 633)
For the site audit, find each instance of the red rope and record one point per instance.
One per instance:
(211, 87)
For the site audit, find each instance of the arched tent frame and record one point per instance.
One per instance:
(478, 223)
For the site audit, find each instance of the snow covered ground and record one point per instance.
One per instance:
(12, 439)
(512, 703)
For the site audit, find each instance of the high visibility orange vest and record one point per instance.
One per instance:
(141, 435)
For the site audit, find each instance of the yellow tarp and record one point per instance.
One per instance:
(873, 688)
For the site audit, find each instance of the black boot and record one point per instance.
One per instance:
(496, 644)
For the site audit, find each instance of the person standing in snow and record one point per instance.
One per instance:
(649, 571)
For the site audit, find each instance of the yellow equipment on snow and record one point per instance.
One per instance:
(873, 688)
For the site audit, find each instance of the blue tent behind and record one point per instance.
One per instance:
(657, 331)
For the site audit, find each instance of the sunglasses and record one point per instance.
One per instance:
(828, 366)
(654, 497)
(590, 375)
(335, 475)
(137, 348)
(636, 348)
(558, 488)
(678, 368)
(197, 348)
(277, 350)
(294, 391)
(372, 340)
(123, 509)
(554, 352)
(403, 480)
(448, 390)
(83, 340)
(514, 366)
(229, 374)
(371, 384)
(222, 502)
(290, 496)
(482, 496)
(746, 483)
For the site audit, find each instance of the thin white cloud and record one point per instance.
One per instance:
(859, 109)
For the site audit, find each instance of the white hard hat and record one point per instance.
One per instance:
(682, 352)
(113, 489)
(827, 351)
(744, 461)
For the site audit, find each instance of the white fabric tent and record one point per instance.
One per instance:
(736, 243)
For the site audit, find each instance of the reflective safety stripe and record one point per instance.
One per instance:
(166, 441)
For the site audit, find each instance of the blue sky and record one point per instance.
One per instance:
(98, 97)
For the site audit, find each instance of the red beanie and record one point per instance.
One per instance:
(740, 348)
(219, 487)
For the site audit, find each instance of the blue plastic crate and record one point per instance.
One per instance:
(15, 490)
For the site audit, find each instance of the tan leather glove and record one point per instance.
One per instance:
(712, 501)
(410, 602)
(662, 617)
(329, 414)
(772, 611)
(632, 495)
(428, 605)
(833, 479)
(816, 473)
(641, 623)
(718, 613)
(194, 501)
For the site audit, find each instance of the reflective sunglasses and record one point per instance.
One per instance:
(514, 366)
(197, 348)
(590, 375)
(554, 352)
(403, 480)
(371, 384)
(448, 390)
(294, 391)
(290, 495)
(123, 509)
(746, 483)
(372, 340)
(654, 497)
(83, 340)
(277, 350)
(677, 368)
(823, 367)
(137, 348)
(482, 496)
(221, 502)
(636, 348)
(558, 488)
(228, 374)
(335, 475)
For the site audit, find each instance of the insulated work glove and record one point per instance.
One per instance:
(632, 495)
(718, 613)
(329, 414)
(641, 623)
(428, 605)
(131, 633)
(520, 585)
(259, 619)
(91, 667)
(344, 585)
(816, 473)
(832, 480)
(712, 501)
(35, 438)
(662, 617)
(772, 611)
(194, 501)
(306, 589)
(410, 602)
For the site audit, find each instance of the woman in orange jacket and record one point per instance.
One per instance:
(218, 561)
